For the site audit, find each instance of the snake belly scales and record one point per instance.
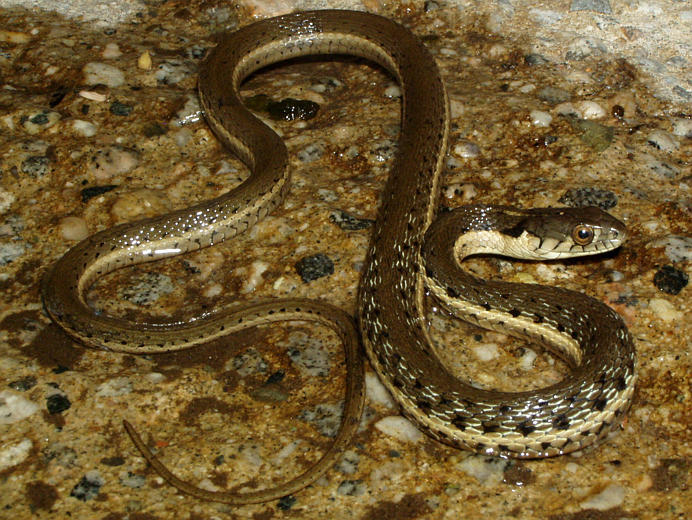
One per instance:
(591, 337)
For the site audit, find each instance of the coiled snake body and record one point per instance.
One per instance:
(591, 337)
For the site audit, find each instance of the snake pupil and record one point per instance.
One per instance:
(582, 235)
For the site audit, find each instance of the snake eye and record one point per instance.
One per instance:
(582, 235)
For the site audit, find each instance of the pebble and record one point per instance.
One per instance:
(587, 196)
(57, 403)
(665, 310)
(23, 384)
(171, 72)
(662, 140)
(84, 128)
(254, 278)
(96, 73)
(40, 121)
(112, 161)
(14, 407)
(325, 417)
(353, 488)
(315, 266)
(73, 228)
(540, 118)
(131, 480)
(682, 127)
(111, 51)
(582, 48)
(308, 354)
(348, 464)
(670, 280)
(677, 248)
(376, 392)
(92, 95)
(610, 497)
(311, 153)
(348, 222)
(14, 454)
(466, 149)
(9, 252)
(88, 487)
(545, 16)
(553, 95)
(659, 168)
(400, 428)
(600, 6)
(567, 109)
(393, 92)
(120, 109)
(151, 287)
(527, 359)
(6, 200)
(249, 362)
(486, 351)
(592, 110)
(487, 470)
(140, 204)
(593, 134)
(36, 166)
(114, 387)
(144, 61)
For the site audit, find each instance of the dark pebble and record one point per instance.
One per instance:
(113, 461)
(670, 280)
(289, 109)
(349, 222)
(57, 403)
(584, 197)
(120, 109)
(553, 95)
(313, 267)
(534, 60)
(36, 165)
(23, 384)
(39, 119)
(95, 191)
(87, 488)
(600, 6)
(286, 503)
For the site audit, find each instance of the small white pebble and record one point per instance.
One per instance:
(393, 91)
(155, 377)
(14, 407)
(579, 76)
(486, 351)
(257, 269)
(73, 228)
(111, 50)
(6, 200)
(96, 72)
(399, 428)
(93, 96)
(144, 61)
(488, 471)
(376, 392)
(664, 309)
(466, 149)
(567, 109)
(525, 89)
(592, 110)
(527, 359)
(683, 127)
(612, 496)
(84, 128)
(662, 140)
(114, 387)
(572, 467)
(540, 118)
(14, 454)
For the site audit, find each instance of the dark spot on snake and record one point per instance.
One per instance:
(398, 383)
(423, 405)
(505, 409)
(560, 327)
(452, 292)
(545, 445)
(460, 422)
(486, 306)
(480, 446)
(428, 272)
(417, 385)
(525, 428)
(515, 312)
(503, 447)
(537, 318)
(490, 427)
(561, 422)
(600, 404)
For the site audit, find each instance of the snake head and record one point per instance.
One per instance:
(552, 233)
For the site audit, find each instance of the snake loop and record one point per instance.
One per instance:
(591, 337)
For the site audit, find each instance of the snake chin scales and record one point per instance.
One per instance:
(409, 248)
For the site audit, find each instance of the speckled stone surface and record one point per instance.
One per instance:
(99, 124)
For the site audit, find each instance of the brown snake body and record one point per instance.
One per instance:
(591, 337)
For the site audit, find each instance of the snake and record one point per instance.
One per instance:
(413, 252)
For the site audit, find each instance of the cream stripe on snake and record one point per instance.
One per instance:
(546, 422)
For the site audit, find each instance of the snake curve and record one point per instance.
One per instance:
(592, 338)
